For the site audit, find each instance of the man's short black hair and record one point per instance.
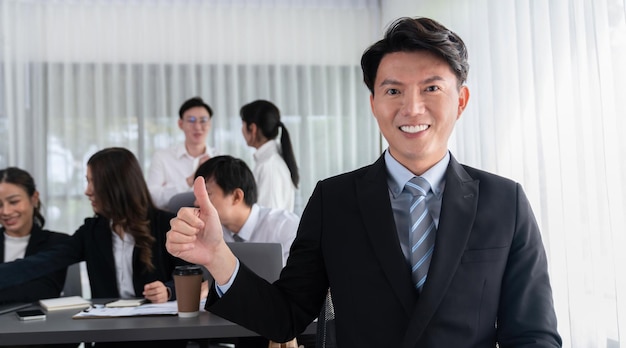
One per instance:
(230, 173)
(192, 103)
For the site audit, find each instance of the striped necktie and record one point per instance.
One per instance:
(421, 232)
(237, 238)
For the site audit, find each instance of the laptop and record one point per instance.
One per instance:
(265, 259)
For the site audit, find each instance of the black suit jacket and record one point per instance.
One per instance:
(47, 286)
(487, 282)
(93, 243)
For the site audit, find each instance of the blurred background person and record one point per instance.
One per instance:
(23, 235)
(171, 170)
(275, 170)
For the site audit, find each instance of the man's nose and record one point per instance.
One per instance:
(413, 103)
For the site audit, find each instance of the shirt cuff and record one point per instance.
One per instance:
(221, 289)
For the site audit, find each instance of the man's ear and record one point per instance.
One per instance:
(464, 96)
(238, 196)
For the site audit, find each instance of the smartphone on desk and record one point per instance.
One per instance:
(31, 314)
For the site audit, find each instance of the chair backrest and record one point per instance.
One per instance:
(265, 259)
(326, 334)
(73, 281)
(180, 200)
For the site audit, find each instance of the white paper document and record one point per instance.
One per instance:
(99, 311)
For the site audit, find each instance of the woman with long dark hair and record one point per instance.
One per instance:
(275, 170)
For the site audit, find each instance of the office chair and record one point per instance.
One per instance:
(326, 325)
(185, 199)
(73, 282)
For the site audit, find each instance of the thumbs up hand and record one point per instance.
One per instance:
(196, 236)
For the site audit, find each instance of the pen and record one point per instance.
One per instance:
(96, 306)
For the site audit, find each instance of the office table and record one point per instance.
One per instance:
(59, 327)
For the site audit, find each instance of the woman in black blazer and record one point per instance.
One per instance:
(125, 217)
(22, 235)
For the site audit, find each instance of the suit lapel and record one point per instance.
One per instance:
(458, 210)
(375, 207)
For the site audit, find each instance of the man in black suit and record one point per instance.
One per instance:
(486, 282)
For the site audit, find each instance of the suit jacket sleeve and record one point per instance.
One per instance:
(47, 285)
(281, 310)
(526, 315)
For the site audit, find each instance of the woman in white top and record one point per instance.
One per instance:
(275, 171)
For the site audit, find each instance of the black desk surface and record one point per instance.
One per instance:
(59, 327)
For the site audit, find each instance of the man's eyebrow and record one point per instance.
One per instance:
(433, 79)
(392, 82)
(387, 82)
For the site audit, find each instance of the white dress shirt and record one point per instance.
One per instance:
(273, 179)
(123, 256)
(169, 171)
(267, 225)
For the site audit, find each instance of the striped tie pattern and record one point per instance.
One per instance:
(421, 232)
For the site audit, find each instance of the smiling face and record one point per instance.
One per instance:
(195, 123)
(17, 209)
(416, 103)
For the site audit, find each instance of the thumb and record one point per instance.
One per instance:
(202, 197)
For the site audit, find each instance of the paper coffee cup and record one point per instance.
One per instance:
(188, 281)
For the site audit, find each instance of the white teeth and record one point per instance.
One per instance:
(414, 129)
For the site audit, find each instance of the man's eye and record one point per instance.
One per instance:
(432, 88)
(393, 91)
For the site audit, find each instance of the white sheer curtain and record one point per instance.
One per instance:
(78, 76)
(547, 110)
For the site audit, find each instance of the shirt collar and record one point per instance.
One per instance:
(181, 151)
(266, 150)
(399, 175)
(248, 227)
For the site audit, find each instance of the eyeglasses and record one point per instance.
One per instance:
(204, 120)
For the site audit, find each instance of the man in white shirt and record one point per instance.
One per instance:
(171, 170)
(232, 189)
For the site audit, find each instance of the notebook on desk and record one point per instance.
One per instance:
(265, 259)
